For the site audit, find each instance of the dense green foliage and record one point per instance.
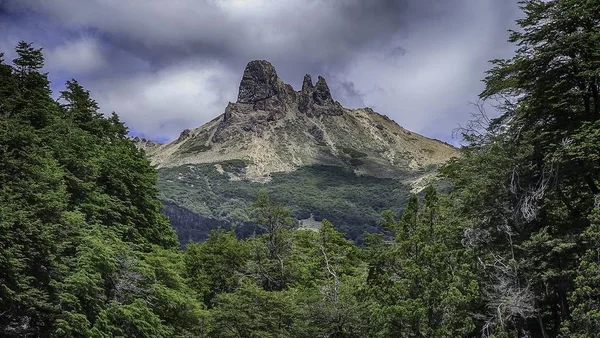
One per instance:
(528, 179)
(84, 248)
(86, 251)
(512, 251)
(353, 203)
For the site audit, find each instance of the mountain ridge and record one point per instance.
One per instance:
(274, 128)
(322, 160)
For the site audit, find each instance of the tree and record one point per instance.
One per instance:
(335, 311)
(525, 180)
(85, 250)
(30, 60)
(272, 258)
(585, 320)
(429, 284)
(216, 265)
(253, 312)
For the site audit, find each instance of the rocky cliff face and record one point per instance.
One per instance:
(274, 128)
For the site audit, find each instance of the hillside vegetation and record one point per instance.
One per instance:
(353, 203)
(513, 250)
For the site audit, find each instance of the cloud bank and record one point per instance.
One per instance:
(166, 66)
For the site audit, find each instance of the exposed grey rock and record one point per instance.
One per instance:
(264, 98)
(184, 134)
(304, 104)
(322, 95)
(304, 101)
(261, 87)
(244, 118)
(289, 94)
(316, 100)
(259, 82)
(316, 132)
(307, 85)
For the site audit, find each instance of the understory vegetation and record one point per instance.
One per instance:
(512, 251)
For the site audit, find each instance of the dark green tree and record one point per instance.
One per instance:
(216, 265)
(527, 180)
(272, 251)
(427, 287)
(585, 297)
(85, 250)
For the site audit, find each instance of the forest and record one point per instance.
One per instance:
(512, 250)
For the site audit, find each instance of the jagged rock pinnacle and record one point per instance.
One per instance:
(316, 100)
(322, 95)
(259, 82)
(307, 84)
(264, 98)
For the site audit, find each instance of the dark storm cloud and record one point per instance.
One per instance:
(170, 65)
(312, 33)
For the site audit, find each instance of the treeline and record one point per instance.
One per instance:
(512, 251)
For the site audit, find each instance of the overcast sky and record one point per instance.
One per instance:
(164, 66)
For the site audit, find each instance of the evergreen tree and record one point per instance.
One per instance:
(272, 250)
(216, 265)
(428, 283)
(85, 250)
(528, 179)
(585, 297)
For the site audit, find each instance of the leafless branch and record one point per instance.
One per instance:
(333, 296)
(127, 279)
(475, 237)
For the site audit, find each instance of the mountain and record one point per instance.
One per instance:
(306, 149)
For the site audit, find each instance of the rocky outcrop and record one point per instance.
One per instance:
(259, 82)
(307, 85)
(148, 146)
(185, 134)
(322, 95)
(239, 118)
(263, 89)
(316, 132)
(316, 100)
(263, 98)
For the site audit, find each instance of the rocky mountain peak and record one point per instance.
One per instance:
(274, 128)
(307, 85)
(316, 100)
(259, 82)
(322, 95)
(264, 99)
